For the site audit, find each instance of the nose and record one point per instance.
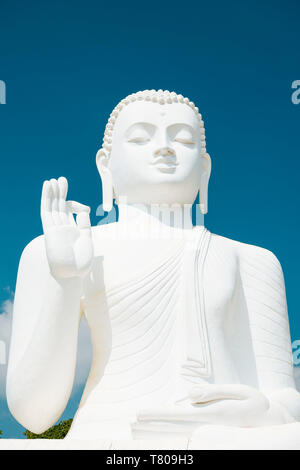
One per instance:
(164, 151)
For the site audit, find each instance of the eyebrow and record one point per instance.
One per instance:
(141, 123)
(183, 124)
(136, 124)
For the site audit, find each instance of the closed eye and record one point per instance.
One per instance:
(140, 133)
(139, 140)
(184, 141)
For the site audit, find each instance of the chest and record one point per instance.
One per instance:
(160, 308)
(125, 264)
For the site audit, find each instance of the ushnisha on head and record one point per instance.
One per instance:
(154, 151)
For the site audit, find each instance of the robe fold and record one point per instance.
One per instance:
(160, 332)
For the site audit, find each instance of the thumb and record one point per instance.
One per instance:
(76, 207)
(83, 221)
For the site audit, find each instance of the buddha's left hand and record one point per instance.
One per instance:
(232, 405)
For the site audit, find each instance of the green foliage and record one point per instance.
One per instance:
(0, 433)
(59, 431)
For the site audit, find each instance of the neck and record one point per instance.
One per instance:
(155, 218)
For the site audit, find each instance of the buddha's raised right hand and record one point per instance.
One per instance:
(68, 243)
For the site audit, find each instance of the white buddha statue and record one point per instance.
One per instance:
(188, 328)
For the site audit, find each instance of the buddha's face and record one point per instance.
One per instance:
(156, 154)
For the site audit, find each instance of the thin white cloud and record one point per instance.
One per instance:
(5, 332)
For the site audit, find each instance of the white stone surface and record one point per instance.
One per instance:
(139, 444)
(285, 437)
(189, 328)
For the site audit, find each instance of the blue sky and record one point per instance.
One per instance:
(67, 64)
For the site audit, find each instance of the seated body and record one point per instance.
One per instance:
(188, 328)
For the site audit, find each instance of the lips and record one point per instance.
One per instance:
(166, 164)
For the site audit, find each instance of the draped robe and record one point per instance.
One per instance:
(163, 331)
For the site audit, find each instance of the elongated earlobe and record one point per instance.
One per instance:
(102, 160)
(203, 190)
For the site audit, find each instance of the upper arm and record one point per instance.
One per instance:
(264, 291)
(33, 275)
(44, 341)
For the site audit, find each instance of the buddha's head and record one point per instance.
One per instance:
(154, 151)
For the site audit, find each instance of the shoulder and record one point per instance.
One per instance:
(223, 247)
(34, 251)
(37, 245)
(33, 262)
(225, 244)
(262, 258)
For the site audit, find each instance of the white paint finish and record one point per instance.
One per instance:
(75, 444)
(285, 437)
(188, 328)
(158, 444)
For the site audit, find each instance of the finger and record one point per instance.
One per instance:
(206, 393)
(62, 207)
(46, 203)
(83, 221)
(55, 209)
(77, 207)
(63, 187)
(46, 196)
(213, 413)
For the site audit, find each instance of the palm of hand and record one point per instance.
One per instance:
(69, 245)
(233, 405)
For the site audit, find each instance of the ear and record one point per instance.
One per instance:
(102, 161)
(203, 190)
